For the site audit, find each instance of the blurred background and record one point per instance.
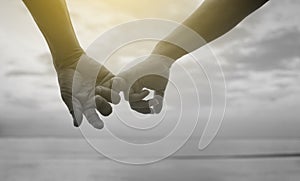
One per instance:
(260, 59)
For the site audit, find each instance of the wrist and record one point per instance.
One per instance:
(162, 61)
(170, 50)
(68, 61)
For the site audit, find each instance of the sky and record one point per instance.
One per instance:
(260, 59)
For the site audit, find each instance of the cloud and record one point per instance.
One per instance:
(14, 73)
(259, 46)
(276, 51)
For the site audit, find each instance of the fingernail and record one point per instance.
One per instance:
(153, 102)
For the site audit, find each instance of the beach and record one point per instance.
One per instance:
(259, 137)
(72, 159)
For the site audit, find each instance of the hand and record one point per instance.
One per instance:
(77, 87)
(153, 74)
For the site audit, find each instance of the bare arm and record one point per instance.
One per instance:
(211, 20)
(52, 18)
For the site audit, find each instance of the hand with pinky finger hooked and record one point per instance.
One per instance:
(78, 90)
(150, 74)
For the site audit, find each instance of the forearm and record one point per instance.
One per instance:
(53, 20)
(211, 20)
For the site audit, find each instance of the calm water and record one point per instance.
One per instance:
(73, 159)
